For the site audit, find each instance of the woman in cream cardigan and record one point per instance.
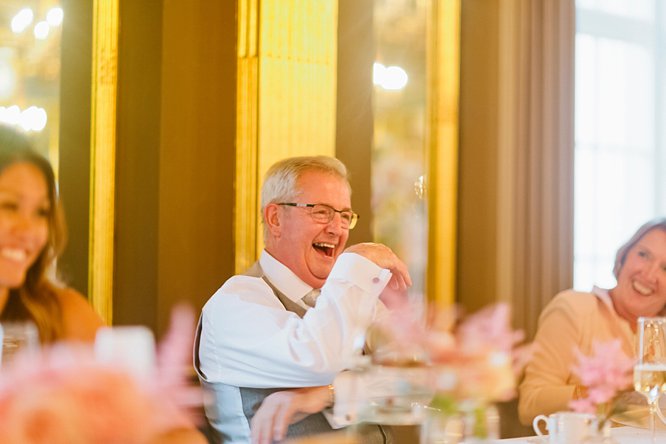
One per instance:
(575, 319)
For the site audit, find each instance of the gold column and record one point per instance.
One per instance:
(103, 143)
(247, 110)
(444, 66)
(287, 71)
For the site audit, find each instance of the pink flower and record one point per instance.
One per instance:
(489, 356)
(583, 406)
(64, 396)
(172, 381)
(605, 373)
(479, 359)
(487, 329)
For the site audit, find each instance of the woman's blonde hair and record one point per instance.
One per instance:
(36, 299)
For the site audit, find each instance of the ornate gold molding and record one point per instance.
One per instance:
(102, 158)
(286, 98)
(444, 83)
(247, 110)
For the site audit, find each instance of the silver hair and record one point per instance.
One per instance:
(280, 181)
(621, 255)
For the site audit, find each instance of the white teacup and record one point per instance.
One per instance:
(565, 427)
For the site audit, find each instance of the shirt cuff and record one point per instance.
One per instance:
(360, 271)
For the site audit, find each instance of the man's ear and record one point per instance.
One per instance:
(273, 219)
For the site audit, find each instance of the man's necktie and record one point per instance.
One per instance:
(311, 298)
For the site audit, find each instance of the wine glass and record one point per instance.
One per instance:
(17, 337)
(650, 368)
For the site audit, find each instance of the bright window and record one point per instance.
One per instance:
(620, 145)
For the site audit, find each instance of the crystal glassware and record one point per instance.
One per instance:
(650, 367)
(17, 337)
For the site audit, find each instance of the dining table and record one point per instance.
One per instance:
(622, 434)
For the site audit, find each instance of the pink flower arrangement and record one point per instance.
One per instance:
(605, 374)
(474, 361)
(64, 395)
(485, 357)
(476, 358)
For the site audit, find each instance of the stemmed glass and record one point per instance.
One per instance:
(650, 368)
(15, 337)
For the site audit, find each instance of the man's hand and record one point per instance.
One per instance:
(280, 409)
(385, 258)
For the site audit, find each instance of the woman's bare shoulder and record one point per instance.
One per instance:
(80, 320)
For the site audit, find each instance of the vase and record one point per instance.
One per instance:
(469, 422)
(600, 433)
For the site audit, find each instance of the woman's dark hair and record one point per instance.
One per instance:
(36, 298)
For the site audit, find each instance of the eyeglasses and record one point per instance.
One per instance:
(323, 213)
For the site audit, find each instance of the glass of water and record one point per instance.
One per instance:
(17, 337)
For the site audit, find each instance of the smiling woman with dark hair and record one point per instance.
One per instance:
(32, 234)
(31, 237)
(576, 319)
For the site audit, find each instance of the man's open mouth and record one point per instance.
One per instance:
(325, 248)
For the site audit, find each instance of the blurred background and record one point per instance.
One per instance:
(534, 141)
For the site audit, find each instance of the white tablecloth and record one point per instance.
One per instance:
(623, 435)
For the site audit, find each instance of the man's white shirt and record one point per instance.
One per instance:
(249, 339)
